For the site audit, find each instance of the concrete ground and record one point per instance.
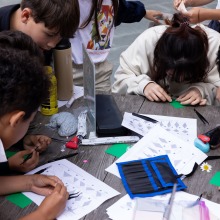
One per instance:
(126, 33)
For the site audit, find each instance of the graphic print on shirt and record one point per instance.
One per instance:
(105, 23)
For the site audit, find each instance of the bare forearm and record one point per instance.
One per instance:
(208, 14)
(195, 3)
(12, 184)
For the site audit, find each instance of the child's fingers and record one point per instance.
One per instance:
(33, 161)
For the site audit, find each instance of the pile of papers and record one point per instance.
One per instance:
(171, 136)
(125, 208)
(158, 141)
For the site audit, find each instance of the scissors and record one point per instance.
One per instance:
(166, 215)
(202, 118)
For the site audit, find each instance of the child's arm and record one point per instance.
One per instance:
(197, 15)
(39, 141)
(52, 205)
(40, 184)
(191, 3)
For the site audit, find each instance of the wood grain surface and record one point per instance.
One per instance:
(98, 160)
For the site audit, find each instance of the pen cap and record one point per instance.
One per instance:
(63, 69)
(205, 139)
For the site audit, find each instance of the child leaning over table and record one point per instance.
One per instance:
(46, 22)
(23, 87)
(171, 61)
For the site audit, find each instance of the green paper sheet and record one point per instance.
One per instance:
(176, 104)
(19, 199)
(215, 180)
(118, 150)
(12, 153)
(9, 153)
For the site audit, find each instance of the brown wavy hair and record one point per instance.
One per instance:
(183, 50)
(62, 15)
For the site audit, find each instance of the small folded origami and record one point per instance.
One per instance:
(149, 177)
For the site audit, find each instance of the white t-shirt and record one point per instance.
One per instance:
(98, 50)
(2, 153)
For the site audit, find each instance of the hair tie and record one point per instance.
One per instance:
(186, 23)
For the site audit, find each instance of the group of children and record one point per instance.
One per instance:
(23, 87)
(165, 62)
(28, 33)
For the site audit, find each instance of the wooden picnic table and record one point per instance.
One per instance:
(98, 160)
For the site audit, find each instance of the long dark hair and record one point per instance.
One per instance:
(96, 6)
(183, 50)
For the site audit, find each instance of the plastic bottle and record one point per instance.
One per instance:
(51, 106)
(63, 69)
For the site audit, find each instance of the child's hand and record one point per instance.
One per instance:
(155, 92)
(191, 97)
(33, 141)
(16, 161)
(56, 196)
(153, 15)
(53, 205)
(43, 185)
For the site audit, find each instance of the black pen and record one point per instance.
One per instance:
(63, 157)
(28, 157)
(145, 118)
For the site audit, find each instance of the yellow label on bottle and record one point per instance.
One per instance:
(50, 107)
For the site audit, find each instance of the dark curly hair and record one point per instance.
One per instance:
(24, 84)
(183, 50)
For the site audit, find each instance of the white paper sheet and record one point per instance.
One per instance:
(157, 142)
(184, 128)
(125, 207)
(2, 153)
(93, 191)
(78, 91)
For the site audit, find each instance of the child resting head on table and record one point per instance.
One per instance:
(171, 61)
(23, 87)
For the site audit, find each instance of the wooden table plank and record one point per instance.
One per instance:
(98, 160)
(199, 182)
